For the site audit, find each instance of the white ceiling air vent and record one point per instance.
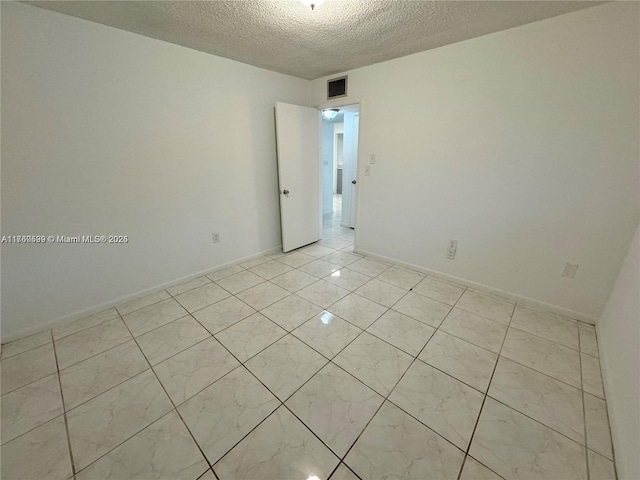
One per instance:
(337, 87)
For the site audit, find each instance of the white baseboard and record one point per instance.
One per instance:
(486, 288)
(127, 298)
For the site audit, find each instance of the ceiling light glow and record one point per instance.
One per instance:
(312, 3)
(330, 113)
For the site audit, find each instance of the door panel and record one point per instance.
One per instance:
(298, 174)
(350, 169)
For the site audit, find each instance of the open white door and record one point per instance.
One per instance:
(350, 169)
(298, 174)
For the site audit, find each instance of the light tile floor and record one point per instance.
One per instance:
(314, 364)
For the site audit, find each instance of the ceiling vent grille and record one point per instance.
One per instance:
(337, 87)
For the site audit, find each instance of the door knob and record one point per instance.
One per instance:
(353, 181)
(286, 192)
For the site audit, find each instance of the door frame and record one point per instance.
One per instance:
(343, 102)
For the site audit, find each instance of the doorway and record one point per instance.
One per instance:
(339, 155)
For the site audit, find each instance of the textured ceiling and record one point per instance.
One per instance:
(288, 37)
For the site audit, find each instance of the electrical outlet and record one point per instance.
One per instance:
(569, 270)
(215, 237)
(372, 158)
(451, 249)
(367, 171)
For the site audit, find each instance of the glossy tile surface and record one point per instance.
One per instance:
(514, 446)
(441, 402)
(550, 358)
(286, 365)
(374, 362)
(395, 445)
(335, 406)
(281, 447)
(176, 385)
(223, 413)
(327, 333)
(460, 359)
(401, 331)
(250, 336)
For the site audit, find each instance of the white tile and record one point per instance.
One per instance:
(225, 272)
(223, 413)
(515, 446)
(139, 303)
(164, 342)
(381, 292)
(335, 243)
(562, 363)
(358, 310)
(190, 285)
(281, 447)
(591, 376)
(466, 362)
(485, 305)
(189, 372)
(27, 343)
(343, 473)
(27, 367)
(474, 470)
(341, 259)
(164, 449)
(294, 280)
(255, 262)
(401, 331)
(286, 365)
(30, 406)
(249, 336)
(317, 250)
(102, 423)
(600, 468)
(394, 445)
(335, 406)
(319, 268)
(327, 333)
(87, 343)
(270, 269)
(223, 314)
(347, 279)
(546, 325)
(597, 421)
(43, 453)
(400, 277)
(296, 259)
(239, 281)
(374, 362)
(369, 267)
(549, 401)
(74, 326)
(475, 329)
(95, 375)
(441, 402)
(201, 297)
(291, 312)
(440, 291)
(154, 316)
(422, 308)
(588, 342)
(262, 295)
(323, 293)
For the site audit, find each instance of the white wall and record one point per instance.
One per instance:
(522, 145)
(619, 344)
(108, 132)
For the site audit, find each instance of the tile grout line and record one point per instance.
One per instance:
(584, 410)
(175, 409)
(486, 394)
(64, 409)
